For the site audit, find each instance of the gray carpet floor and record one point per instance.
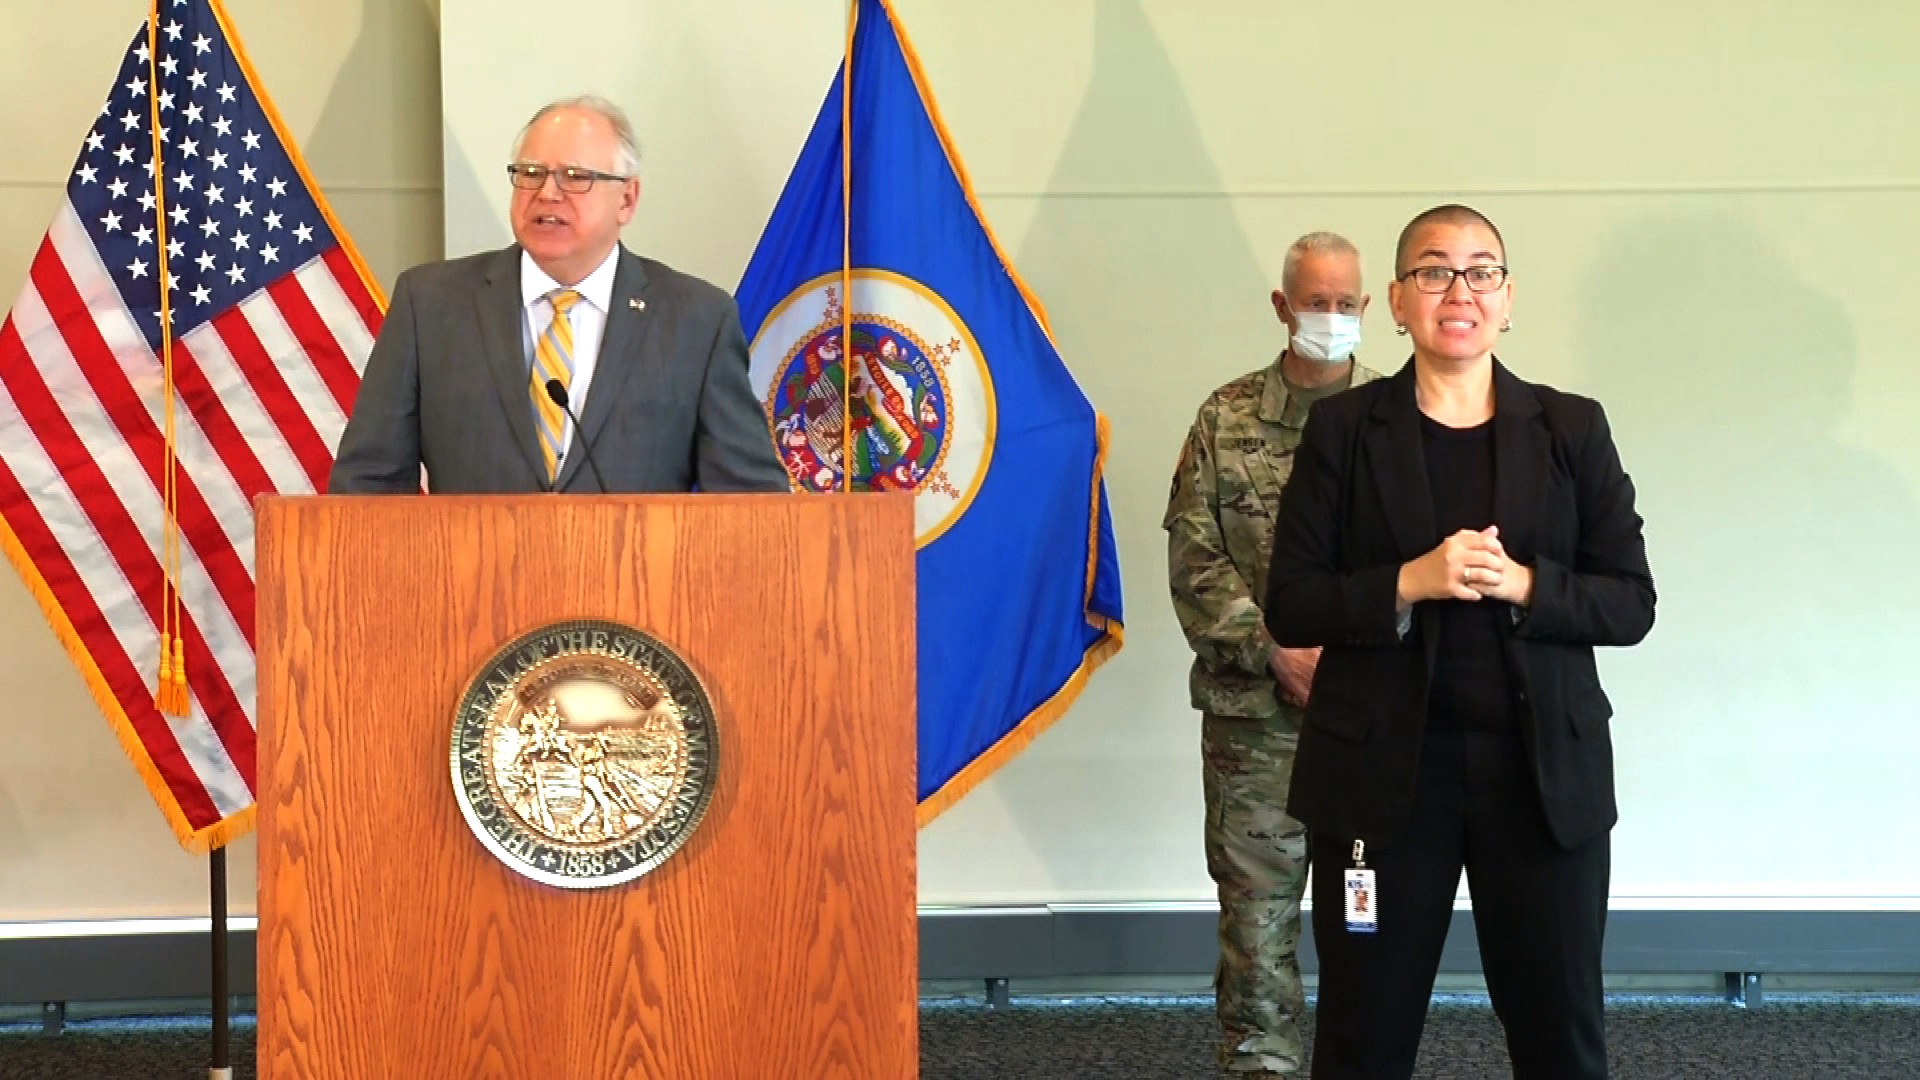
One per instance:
(1170, 1038)
(1648, 1039)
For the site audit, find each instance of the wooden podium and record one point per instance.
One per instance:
(779, 942)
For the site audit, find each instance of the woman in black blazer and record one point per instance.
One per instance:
(1457, 541)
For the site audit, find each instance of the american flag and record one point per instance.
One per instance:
(272, 314)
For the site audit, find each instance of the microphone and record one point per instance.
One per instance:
(558, 394)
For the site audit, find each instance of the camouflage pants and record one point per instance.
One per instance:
(1258, 858)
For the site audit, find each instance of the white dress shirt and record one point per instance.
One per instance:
(588, 319)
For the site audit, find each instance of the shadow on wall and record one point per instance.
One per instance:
(471, 221)
(397, 52)
(1155, 298)
(703, 212)
(1790, 596)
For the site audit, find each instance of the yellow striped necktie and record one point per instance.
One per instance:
(553, 359)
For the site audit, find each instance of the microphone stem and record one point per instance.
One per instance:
(558, 394)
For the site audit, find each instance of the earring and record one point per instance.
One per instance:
(1506, 326)
(1401, 330)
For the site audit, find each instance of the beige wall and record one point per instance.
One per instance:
(358, 83)
(1712, 224)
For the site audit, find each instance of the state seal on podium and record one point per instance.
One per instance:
(584, 754)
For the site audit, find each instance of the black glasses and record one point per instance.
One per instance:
(569, 178)
(1438, 279)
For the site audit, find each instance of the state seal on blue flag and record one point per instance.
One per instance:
(896, 349)
(919, 413)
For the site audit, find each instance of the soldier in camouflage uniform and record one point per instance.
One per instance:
(1220, 517)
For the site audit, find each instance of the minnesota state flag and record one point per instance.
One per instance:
(896, 350)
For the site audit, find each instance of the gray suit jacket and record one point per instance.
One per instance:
(447, 386)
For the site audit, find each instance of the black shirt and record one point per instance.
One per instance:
(1469, 691)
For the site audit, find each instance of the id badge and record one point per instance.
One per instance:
(1363, 912)
(1363, 900)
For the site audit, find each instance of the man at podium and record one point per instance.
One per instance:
(563, 362)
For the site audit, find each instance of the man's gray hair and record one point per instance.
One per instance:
(629, 162)
(1314, 243)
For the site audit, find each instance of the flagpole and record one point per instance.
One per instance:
(846, 255)
(221, 1068)
(170, 695)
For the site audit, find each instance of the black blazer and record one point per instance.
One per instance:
(1358, 506)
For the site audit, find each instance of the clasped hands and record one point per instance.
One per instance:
(1467, 566)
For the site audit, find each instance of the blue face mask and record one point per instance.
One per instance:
(1325, 337)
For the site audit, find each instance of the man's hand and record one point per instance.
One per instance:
(1293, 668)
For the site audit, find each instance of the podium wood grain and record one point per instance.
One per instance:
(780, 942)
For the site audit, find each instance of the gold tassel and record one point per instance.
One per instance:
(172, 696)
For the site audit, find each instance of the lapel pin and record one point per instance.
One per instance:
(637, 305)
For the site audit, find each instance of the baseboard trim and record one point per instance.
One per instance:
(1044, 942)
(1055, 942)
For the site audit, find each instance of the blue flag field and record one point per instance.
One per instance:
(896, 349)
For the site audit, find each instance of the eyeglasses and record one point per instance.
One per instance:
(569, 178)
(1438, 279)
